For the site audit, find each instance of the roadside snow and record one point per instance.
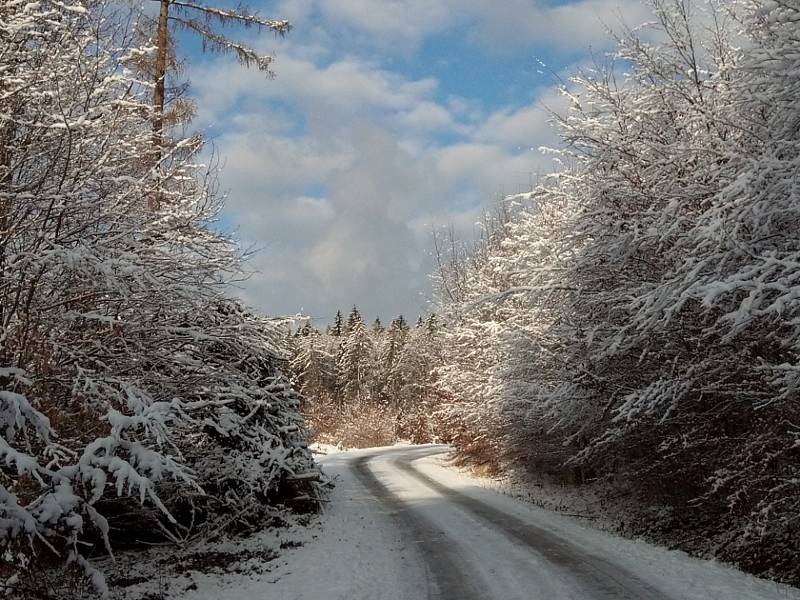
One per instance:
(685, 578)
(357, 551)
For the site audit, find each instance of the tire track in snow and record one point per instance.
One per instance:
(446, 570)
(601, 578)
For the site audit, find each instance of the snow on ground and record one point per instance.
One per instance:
(165, 572)
(684, 577)
(357, 549)
(355, 552)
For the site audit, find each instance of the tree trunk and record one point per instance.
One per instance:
(158, 93)
(160, 74)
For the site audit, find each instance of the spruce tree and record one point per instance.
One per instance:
(377, 326)
(337, 329)
(353, 318)
(355, 364)
(311, 367)
(400, 322)
(390, 378)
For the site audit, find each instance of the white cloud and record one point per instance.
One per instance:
(349, 88)
(400, 26)
(339, 170)
(426, 117)
(397, 25)
(260, 163)
(523, 126)
(571, 27)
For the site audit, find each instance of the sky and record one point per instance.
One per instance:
(387, 119)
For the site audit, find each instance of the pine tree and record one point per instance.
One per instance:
(353, 318)
(337, 329)
(355, 363)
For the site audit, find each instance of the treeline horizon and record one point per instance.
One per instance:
(367, 385)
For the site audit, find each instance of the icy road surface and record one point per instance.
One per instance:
(404, 526)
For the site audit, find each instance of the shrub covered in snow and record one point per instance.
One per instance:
(132, 390)
(638, 315)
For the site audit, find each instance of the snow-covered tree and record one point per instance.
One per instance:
(354, 367)
(352, 319)
(377, 326)
(636, 315)
(337, 329)
(389, 380)
(313, 366)
(413, 380)
(128, 380)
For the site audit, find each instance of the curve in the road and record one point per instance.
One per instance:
(600, 577)
(446, 569)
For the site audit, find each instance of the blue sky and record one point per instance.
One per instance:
(387, 118)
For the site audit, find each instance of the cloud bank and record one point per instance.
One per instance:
(339, 169)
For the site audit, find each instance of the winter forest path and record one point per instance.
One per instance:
(473, 550)
(404, 525)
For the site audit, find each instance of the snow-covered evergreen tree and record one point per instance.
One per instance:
(312, 365)
(377, 326)
(389, 377)
(337, 329)
(354, 367)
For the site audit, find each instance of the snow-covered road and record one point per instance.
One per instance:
(474, 549)
(402, 525)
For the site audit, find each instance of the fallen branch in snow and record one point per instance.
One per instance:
(308, 476)
(306, 497)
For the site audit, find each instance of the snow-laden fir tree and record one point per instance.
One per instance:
(313, 366)
(389, 379)
(337, 329)
(355, 363)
